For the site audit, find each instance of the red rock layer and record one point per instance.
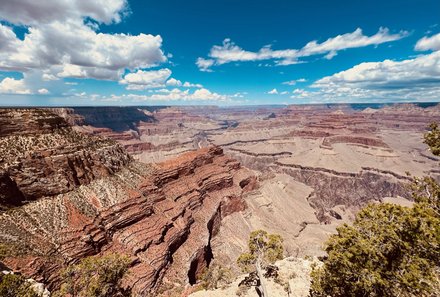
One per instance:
(162, 215)
(43, 156)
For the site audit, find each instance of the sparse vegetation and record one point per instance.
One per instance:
(264, 249)
(95, 277)
(14, 285)
(432, 139)
(15, 147)
(390, 250)
(215, 276)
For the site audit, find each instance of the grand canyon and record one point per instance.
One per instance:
(178, 189)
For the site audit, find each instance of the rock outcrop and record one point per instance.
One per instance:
(115, 118)
(41, 155)
(10, 195)
(162, 215)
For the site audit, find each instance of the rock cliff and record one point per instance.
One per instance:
(41, 155)
(162, 215)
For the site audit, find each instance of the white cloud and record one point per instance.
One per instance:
(31, 12)
(416, 79)
(205, 94)
(205, 64)
(162, 95)
(13, 86)
(429, 43)
(191, 85)
(300, 93)
(60, 44)
(354, 39)
(49, 77)
(331, 55)
(293, 82)
(422, 71)
(239, 95)
(273, 92)
(43, 91)
(185, 95)
(230, 52)
(173, 82)
(141, 80)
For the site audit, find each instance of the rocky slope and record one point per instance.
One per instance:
(91, 198)
(41, 155)
(162, 215)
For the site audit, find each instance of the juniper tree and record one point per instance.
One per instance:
(264, 249)
(389, 250)
(432, 138)
(95, 277)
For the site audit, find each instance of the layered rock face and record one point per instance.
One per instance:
(346, 155)
(41, 155)
(186, 206)
(115, 118)
(162, 215)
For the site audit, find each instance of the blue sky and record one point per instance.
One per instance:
(117, 52)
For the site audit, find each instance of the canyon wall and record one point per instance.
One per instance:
(44, 156)
(163, 215)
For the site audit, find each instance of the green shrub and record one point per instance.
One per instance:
(265, 247)
(95, 277)
(432, 138)
(13, 285)
(390, 250)
(215, 276)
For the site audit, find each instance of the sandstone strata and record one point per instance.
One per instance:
(162, 215)
(43, 156)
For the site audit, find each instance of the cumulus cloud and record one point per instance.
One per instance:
(199, 95)
(60, 44)
(191, 85)
(205, 64)
(31, 12)
(185, 95)
(230, 52)
(43, 91)
(273, 92)
(154, 79)
(13, 86)
(422, 71)
(141, 80)
(71, 49)
(429, 43)
(49, 77)
(411, 79)
(173, 82)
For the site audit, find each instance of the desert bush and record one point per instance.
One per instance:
(390, 250)
(95, 277)
(14, 285)
(215, 276)
(432, 138)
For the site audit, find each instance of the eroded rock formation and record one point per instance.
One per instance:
(44, 156)
(162, 215)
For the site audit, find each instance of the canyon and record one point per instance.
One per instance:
(179, 188)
